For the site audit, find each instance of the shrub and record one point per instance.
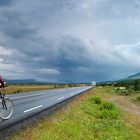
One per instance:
(107, 106)
(108, 114)
(138, 98)
(137, 85)
(96, 100)
(101, 109)
(18, 91)
(108, 111)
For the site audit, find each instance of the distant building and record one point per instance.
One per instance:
(93, 83)
(121, 88)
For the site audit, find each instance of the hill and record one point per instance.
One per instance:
(135, 76)
(22, 81)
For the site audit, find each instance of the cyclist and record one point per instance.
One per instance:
(1, 82)
(6, 105)
(2, 86)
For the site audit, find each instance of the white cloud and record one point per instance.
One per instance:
(48, 72)
(1, 60)
(5, 51)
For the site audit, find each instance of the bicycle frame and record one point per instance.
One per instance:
(6, 109)
(2, 97)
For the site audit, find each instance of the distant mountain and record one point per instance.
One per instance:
(135, 76)
(33, 81)
(127, 79)
(22, 81)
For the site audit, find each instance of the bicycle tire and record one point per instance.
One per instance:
(6, 113)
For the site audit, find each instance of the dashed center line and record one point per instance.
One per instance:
(28, 110)
(60, 98)
(62, 90)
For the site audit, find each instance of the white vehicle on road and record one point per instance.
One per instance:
(93, 83)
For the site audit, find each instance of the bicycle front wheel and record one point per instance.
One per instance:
(6, 111)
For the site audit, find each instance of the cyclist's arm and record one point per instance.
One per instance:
(2, 83)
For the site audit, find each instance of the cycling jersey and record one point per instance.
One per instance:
(1, 82)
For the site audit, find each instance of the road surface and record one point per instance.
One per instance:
(29, 104)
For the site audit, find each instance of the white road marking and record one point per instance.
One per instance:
(60, 98)
(62, 90)
(32, 108)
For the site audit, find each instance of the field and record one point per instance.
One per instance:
(96, 114)
(25, 88)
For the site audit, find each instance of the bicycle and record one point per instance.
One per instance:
(6, 107)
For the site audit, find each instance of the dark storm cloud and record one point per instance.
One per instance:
(60, 40)
(5, 2)
(13, 26)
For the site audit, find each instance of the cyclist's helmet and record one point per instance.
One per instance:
(1, 82)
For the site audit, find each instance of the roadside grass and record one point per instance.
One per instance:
(26, 88)
(87, 117)
(137, 99)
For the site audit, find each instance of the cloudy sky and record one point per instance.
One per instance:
(69, 40)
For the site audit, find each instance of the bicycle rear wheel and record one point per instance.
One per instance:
(6, 112)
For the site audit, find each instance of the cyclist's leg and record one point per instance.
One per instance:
(3, 101)
(0, 94)
(1, 98)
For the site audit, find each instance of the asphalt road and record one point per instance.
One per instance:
(28, 104)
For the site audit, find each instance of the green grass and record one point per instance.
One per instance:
(87, 117)
(137, 99)
(96, 100)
